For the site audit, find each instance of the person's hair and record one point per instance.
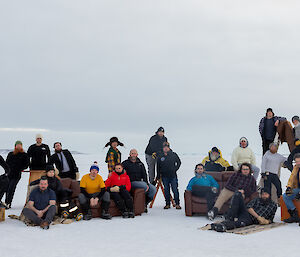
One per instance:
(16, 151)
(43, 178)
(119, 164)
(245, 164)
(56, 143)
(296, 156)
(199, 164)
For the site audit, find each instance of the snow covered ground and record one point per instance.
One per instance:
(158, 233)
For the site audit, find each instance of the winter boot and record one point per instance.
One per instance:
(88, 215)
(105, 215)
(220, 227)
(178, 207)
(44, 225)
(125, 214)
(294, 216)
(212, 213)
(167, 207)
(131, 214)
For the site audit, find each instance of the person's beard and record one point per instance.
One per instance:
(58, 151)
(266, 200)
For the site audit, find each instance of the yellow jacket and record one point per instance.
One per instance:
(294, 178)
(220, 160)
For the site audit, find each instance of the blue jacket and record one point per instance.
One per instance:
(202, 180)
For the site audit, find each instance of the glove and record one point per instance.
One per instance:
(214, 190)
(154, 156)
(288, 191)
(115, 189)
(264, 175)
(262, 221)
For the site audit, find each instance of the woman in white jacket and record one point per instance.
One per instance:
(244, 154)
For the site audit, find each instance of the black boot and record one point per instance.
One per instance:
(294, 216)
(105, 215)
(131, 214)
(212, 213)
(88, 215)
(125, 214)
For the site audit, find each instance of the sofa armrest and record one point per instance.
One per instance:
(188, 203)
(139, 201)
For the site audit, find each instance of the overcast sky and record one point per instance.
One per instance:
(82, 71)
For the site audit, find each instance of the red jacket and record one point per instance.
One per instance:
(120, 180)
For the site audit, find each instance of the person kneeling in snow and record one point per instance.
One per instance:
(41, 206)
(93, 191)
(215, 162)
(260, 210)
(137, 173)
(119, 186)
(203, 185)
(241, 181)
(243, 153)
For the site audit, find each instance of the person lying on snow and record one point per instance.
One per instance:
(289, 162)
(243, 153)
(136, 171)
(93, 192)
(260, 210)
(41, 206)
(203, 185)
(3, 180)
(119, 186)
(293, 191)
(167, 166)
(241, 181)
(215, 162)
(270, 166)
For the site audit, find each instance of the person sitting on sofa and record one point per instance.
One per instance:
(119, 186)
(243, 153)
(241, 181)
(293, 191)
(93, 191)
(203, 185)
(214, 161)
(41, 205)
(260, 210)
(137, 173)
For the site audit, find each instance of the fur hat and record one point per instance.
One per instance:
(112, 140)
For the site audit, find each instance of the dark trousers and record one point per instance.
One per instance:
(85, 202)
(32, 216)
(12, 184)
(273, 179)
(68, 174)
(123, 200)
(173, 182)
(207, 193)
(3, 185)
(265, 144)
(237, 210)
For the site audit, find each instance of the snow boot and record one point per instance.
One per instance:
(88, 215)
(130, 214)
(125, 214)
(167, 206)
(105, 215)
(178, 207)
(294, 216)
(212, 213)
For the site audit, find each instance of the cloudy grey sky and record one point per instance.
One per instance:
(205, 70)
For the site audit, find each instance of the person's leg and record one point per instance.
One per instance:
(277, 183)
(139, 184)
(31, 215)
(256, 171)
(105, 199)
(237, 206)
(118, 201)
(174, 186)
(166, 184)
(268, 182)
(224, 196)
(127, 199)
(11, 190)
(84, 203)
(49, 215)
(151, 191)
(288, 199)
(151, 167)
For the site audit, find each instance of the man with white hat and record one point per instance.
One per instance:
(39, 154)
(244, 154)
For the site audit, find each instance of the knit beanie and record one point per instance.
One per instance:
(38, 136)
(18, 142)
(244, 139)
(94, 166)
(160, 129)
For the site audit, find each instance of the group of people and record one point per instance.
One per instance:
(163, 164)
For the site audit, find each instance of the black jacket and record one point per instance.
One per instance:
(289, 162)
(39, 155)
(54, 159)
(167, 165)
(17, 163)
(4, 165)
(53, 183)
(135, 170)
(155, 144)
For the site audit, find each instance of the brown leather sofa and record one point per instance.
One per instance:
(198, 205)
(138, 199)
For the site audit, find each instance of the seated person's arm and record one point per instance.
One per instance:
(31, 207)
(83, 191)
(51, 202)
(253, 213)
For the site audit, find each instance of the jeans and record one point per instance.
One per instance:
(141, 184)
(173, 182)
(288, 199)
(32, 216)
(151, 167)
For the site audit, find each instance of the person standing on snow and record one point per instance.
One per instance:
(39, 154)
(167, 166)
(244, 154)
(3, 180)
(64, 162)
(17, 161)
(296, 129)
(214, 161)
(153, 150)
(113, 155)
(268, 127)
(270, 166)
